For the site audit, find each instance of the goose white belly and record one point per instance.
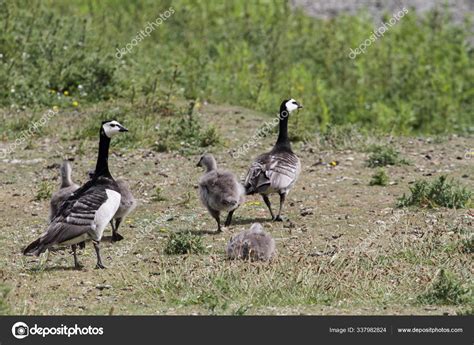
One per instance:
(105, 213)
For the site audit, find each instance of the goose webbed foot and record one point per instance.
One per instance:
(277, 219)
(116, 237)
(100, 266)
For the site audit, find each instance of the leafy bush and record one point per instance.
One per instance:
(380, 178)
(184, 243)
(384, 155)
(445, 290)
(439, 192)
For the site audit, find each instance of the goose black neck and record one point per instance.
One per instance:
(102, 166)
(283, 141)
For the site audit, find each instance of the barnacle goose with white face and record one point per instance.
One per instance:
(86, 213)
(276, 171)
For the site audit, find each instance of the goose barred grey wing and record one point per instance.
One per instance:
(273, 172)
(84, 215)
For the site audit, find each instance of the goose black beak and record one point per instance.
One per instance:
(300, 106)
(122, 129)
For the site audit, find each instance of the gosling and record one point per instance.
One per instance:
(253, 244)
(219, 190)
(65, 190)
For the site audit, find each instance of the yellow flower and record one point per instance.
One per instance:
(55, 108)
(75, 103)
(333, 163)
(66, 93)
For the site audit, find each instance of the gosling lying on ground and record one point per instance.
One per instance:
(254, 244)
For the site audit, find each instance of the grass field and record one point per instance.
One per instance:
(346, 249)
(380, 221)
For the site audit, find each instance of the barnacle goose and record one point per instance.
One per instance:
(86, 213)
(275, 171)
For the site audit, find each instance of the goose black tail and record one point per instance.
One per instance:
(35, 248)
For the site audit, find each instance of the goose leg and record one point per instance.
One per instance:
(115, 235)
(269, 204)
(77, 264)
(97, 252)
(216, 215)
(282, 202)
(229, 218)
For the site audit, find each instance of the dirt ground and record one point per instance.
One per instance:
(344, 249)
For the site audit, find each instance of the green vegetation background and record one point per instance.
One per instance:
(417, 78)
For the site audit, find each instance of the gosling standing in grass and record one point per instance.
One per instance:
(276, 171)
(86, 213)
(254, 244)
(219, 190)
(65, 190)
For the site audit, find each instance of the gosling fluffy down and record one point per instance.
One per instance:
(219, 190)
(254, 244)
(66, 189)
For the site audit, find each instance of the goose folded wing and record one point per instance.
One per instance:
(282, 170)
(76, 216)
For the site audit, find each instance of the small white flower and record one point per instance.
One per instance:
(79, 87)
(12, 90)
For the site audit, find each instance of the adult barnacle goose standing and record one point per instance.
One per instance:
(276, 171)
(65, 190)
(219, 190)
(86, 213)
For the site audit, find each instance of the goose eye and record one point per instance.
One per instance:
(294, 102)
(112, 125)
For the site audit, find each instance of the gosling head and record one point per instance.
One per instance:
(289, 105)
(110, 128)
(207, 161)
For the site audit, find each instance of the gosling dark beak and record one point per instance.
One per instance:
(199, 164)
(122, 129)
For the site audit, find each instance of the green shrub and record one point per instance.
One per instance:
(445, 290)
(384, 155)
(439, 192)
(380, 178)
(184, 243)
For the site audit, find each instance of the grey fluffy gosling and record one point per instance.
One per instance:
(127, 205)
(276, 171)
(65, 190)
(86, 213)
(254, 244)
(219, 190)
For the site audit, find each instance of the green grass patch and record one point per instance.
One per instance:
(184, 243)
(438, 193)
(381, 156)
(44, 191)
(445, 290)
(380, 178)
